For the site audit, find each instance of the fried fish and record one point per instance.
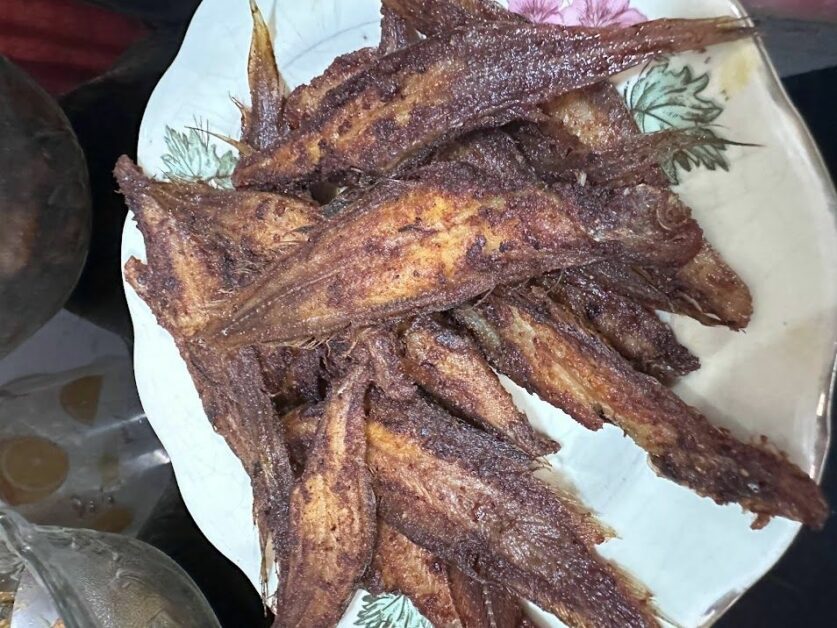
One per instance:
(263, 122)
(451, 367)
(543, 347)
(472, 501)
(408, 102)
(401, 566)
(632, 329)
(332, 513)
(440, 238)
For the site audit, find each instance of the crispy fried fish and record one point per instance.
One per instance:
(632, 329)
(624, 163)
(292, 376)
(446, 235)
(263, 123)
(306, 99)
(451, 367)
(491, 150)
(396, 33)
(472, 501)
(203, 242)
(332, 509)
(481, 604)
(412, 100)
(437, 17)
(401, 566)
(188, 267)
(543, 347)
(706, 288)
(443, 594)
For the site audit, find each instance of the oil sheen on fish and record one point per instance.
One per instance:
(544, 348)
(446, 235)
(332, 513)
(451, 367)
(414, 99)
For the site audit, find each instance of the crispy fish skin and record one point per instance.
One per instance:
(396, 33)
(185, 270)
(624, 163)
(706, 288)
(231, 388)
(481, 605)
(472, 501)
(707, 283)
(441, 238)
(542, 347)
(629, 327)
(437, 17)
(306, 99)
(202, 242)
(410, 101)
(292, 376)
(443, 594)
(332, 514)
(490, 150)
(263, 123)
(401, 566)
(451, 367)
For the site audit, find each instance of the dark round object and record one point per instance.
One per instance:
(44, 207)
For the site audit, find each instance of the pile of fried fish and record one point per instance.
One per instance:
(470, 197)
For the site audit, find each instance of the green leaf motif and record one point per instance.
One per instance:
(191, 157)
(389, 611)
(663, 98)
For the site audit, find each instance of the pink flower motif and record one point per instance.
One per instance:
(601, 13)
(539, 11)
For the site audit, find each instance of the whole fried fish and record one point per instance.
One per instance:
(543, 347)
(441, 238)
(405, 103)
(472, 501)
(332, 513)
(451, 367)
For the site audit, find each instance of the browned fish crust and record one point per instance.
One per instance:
(406, 103)
(451, 367)
(200, 243)
(437, 17)
(441, 238)
(401, 566)
(396, 33)
(472, 501)
(306, 99)
(493, 151)
(706, 288)
(263, 123)
(481, 605)
(292, 376)
(632, 329)
(542, 346)
(332, 514)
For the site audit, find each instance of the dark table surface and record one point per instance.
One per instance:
(799, 590)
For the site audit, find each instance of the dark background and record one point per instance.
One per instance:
(106, 113)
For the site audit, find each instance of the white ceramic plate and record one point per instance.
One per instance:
(770, 211)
